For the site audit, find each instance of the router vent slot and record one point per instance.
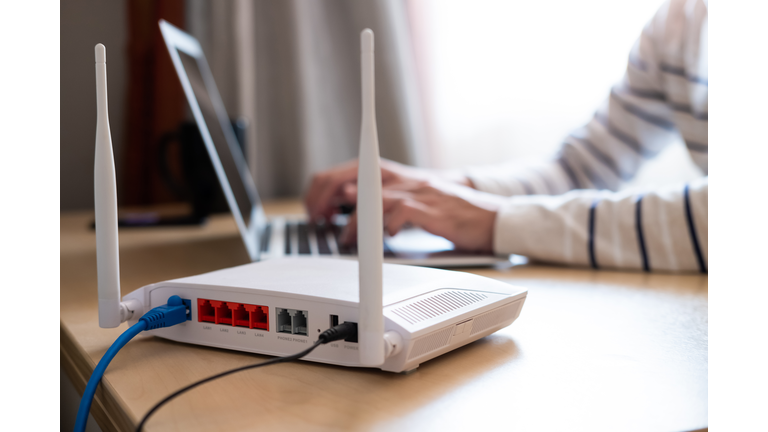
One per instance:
(431, 342)
(436, 305)
(495, 317)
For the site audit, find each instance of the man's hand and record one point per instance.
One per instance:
(327, 191)
(460, 214)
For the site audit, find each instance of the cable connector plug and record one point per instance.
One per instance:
(170, 314)
(341, 331)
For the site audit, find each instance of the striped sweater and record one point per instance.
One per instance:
(568, 210)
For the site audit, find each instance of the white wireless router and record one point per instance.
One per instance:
(405, 315)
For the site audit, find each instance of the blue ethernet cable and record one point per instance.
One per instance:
(170, 314)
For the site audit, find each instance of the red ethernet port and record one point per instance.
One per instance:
(223, 313)
(239, 314)
(259, 316)
(205, 312)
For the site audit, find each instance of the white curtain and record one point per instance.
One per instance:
(292, 69)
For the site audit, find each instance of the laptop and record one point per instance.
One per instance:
(286, 236)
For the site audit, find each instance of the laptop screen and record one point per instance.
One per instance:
(235, 168)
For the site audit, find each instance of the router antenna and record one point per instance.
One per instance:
(369, 219)
(111, 311)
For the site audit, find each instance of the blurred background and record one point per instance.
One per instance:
(458, 83)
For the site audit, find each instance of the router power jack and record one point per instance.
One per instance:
(341, 331)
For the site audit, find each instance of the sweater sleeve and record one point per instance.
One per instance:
(567, 210)
(662, 230)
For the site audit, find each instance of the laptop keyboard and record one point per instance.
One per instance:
(298, 235)
(306, 237)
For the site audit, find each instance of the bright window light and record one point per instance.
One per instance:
(510, 79)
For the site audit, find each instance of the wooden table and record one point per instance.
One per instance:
(592, 350)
